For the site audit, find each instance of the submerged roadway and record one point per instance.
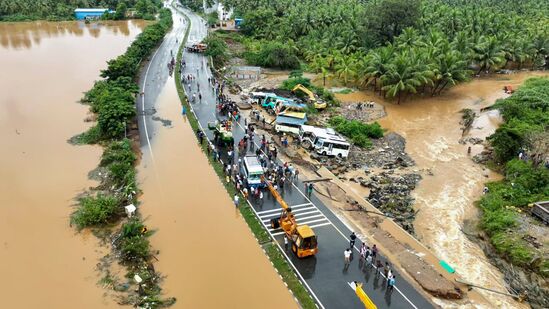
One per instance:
(325, 274)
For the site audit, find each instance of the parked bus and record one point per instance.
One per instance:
(253, 171)
(310, 135)
(333, 147)
(290, 122)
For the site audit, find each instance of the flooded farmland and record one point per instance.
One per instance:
(45, 68)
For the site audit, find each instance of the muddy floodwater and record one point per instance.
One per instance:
(445, 198)
(45, 67)
(206, 250)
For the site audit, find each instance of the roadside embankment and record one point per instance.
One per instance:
(109, 209)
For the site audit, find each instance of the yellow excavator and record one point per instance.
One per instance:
(301, 237)
(312, 98)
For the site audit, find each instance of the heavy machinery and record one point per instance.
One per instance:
(222, 131)
(318, 104)
(302, 238)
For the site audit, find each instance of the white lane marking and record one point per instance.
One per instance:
(300, 205)
(270, 210)
(319, 225)
(309, 217)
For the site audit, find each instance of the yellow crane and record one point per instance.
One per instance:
(301, 237)
(312, 98)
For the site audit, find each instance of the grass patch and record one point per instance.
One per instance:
(304, 298)
(289, 276)
(96, 211)
(358, 131)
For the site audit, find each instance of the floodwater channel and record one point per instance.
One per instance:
(445, 198)
(45, 68)
(206, 251)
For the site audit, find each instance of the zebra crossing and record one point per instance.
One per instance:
(306, 213)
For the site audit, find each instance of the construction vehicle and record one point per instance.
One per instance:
(222, 131)
(318, 104)
(302, 238)
(197, 48)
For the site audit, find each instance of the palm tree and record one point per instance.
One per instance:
(345, 69)
(451, 69)
(400, 78)
(488, 54)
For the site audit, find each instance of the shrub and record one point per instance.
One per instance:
(273, 54)
(94, 211)
(135, 248)
(118, 151)
(290, 83)
(357, 131)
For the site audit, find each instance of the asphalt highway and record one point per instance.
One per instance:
(324, 274)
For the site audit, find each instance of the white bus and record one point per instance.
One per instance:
(338, 147)
(251, 169)
(310, 135)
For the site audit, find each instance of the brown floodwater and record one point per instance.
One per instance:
(207, 251)
(45, 67)
(445, 199)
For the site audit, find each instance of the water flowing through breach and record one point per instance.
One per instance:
(46, 67)
(445, 198)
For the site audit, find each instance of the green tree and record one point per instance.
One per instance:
(488, 54)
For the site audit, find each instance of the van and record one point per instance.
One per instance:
(252, 169)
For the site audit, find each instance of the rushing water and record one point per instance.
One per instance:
(445, 199)
(45, 67)
(207, 252)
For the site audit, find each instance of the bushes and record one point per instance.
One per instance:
(113, 99)
(94, 211)
(217, 49)
(357, 131)
(133, 242)
(273, 54)
(526, 112)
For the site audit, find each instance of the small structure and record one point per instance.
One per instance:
(81, 14)
(238, 22)
(541, 210)
(245, 72)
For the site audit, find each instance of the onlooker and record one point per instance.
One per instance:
(352, 239)
(347, 255)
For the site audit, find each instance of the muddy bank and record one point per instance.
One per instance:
(451, 181)
(43, 76)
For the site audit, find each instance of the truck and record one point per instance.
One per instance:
(222, 132)
(197, 48)
(302, 238)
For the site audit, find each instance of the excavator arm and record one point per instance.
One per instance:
(308, 92)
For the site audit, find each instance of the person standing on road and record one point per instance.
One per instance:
(236, 199)
(387, 270)
(391, 283)
(347, 256)
(310, 188)
(286, 242)
(352, 239)
(379, 266)
(363, 251)
(374, 252)
(368, 260)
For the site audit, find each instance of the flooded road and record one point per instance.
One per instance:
(45, 68)
(208, 253)
(445, 199)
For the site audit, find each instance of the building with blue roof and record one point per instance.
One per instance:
(80, 14)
